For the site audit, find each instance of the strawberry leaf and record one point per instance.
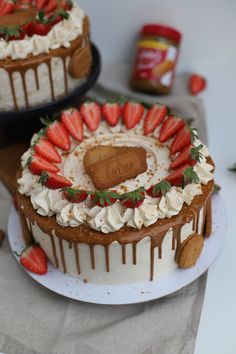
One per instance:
(163, 187)
(193, 134)
(190, 176)
(135, 195)
(217, 188)
(195, 153)
(43, 178)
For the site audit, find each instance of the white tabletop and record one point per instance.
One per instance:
(216, 333)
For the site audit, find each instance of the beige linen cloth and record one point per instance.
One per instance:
(35, 320)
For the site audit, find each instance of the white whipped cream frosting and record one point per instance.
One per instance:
(112, 218)
(60, 36)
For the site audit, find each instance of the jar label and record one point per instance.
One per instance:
(155, 62)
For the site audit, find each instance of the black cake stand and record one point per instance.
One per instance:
(28, 119)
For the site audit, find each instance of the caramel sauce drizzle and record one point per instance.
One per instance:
(92, 256)
(54, 251)
(76, 249)
(123, 248)
(62, 254)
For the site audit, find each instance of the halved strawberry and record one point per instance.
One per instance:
(72, 120)
(91, 114)
(176, 177)
(133, 199)
(37, 164)
(170, 127)
(6, 7)
(182, 139)
(42, 29)
(196, 84)
(34, 259)
(50, 6)
(190, 155)
(111, 111)
(159, 189)
(75, 195)
(46, 149)
(104, 198)
(132, 114)
(57, 134)
(154, 117)
(40, 4)
(54, 181)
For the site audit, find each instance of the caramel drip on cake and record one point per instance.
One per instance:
(76, 249)
(208, 225)
(123, 248)
(92, 256)
(156, 232)
(62, 254)
(54, 251)
(65, 75)
(33, 62)
(70, 244)
(107, 258)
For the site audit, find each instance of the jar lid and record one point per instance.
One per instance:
(161, 30)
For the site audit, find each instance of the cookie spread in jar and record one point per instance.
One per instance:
(156, 58)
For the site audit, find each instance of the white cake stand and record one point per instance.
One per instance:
(73, 288)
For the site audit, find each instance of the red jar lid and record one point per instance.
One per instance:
(163, 31)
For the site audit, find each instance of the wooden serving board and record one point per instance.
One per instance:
(11, 149)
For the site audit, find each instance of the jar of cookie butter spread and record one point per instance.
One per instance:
(156, 58)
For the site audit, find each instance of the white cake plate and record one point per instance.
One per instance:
(73, 288)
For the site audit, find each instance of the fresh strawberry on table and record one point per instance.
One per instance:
(104, 198)
(53, 180)
(159, 189)
(132, 113)
(34, 259)
(37, 164)
(184, 175)
(73, 122)
(74, 195)
(196, 84)
(133, 199)
(190, 155)
(46, 149)
(112, 112)
(91, 114)
(170, 127)
(154, 117)
(57, 134)
(7, 7)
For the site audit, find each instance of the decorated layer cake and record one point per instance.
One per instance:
(44, 51)
(117, 193)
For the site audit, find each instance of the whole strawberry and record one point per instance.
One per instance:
(133, 199)
(75, 195)
(104, 198)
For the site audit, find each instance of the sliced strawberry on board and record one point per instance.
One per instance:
(132, 113)
(73, 122)
(133, 199)
(37, 164)
(190, 155)
(74, 195)
(170, 127)
(34, 259)
(154, 117)
(176, 177)
(111, 111)
(7, 7)
(196, 84)
(46, 149)
(58, 135)
(104, 198)
(91, 114)
(182, 139)
(54, 181)
(159, 189)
